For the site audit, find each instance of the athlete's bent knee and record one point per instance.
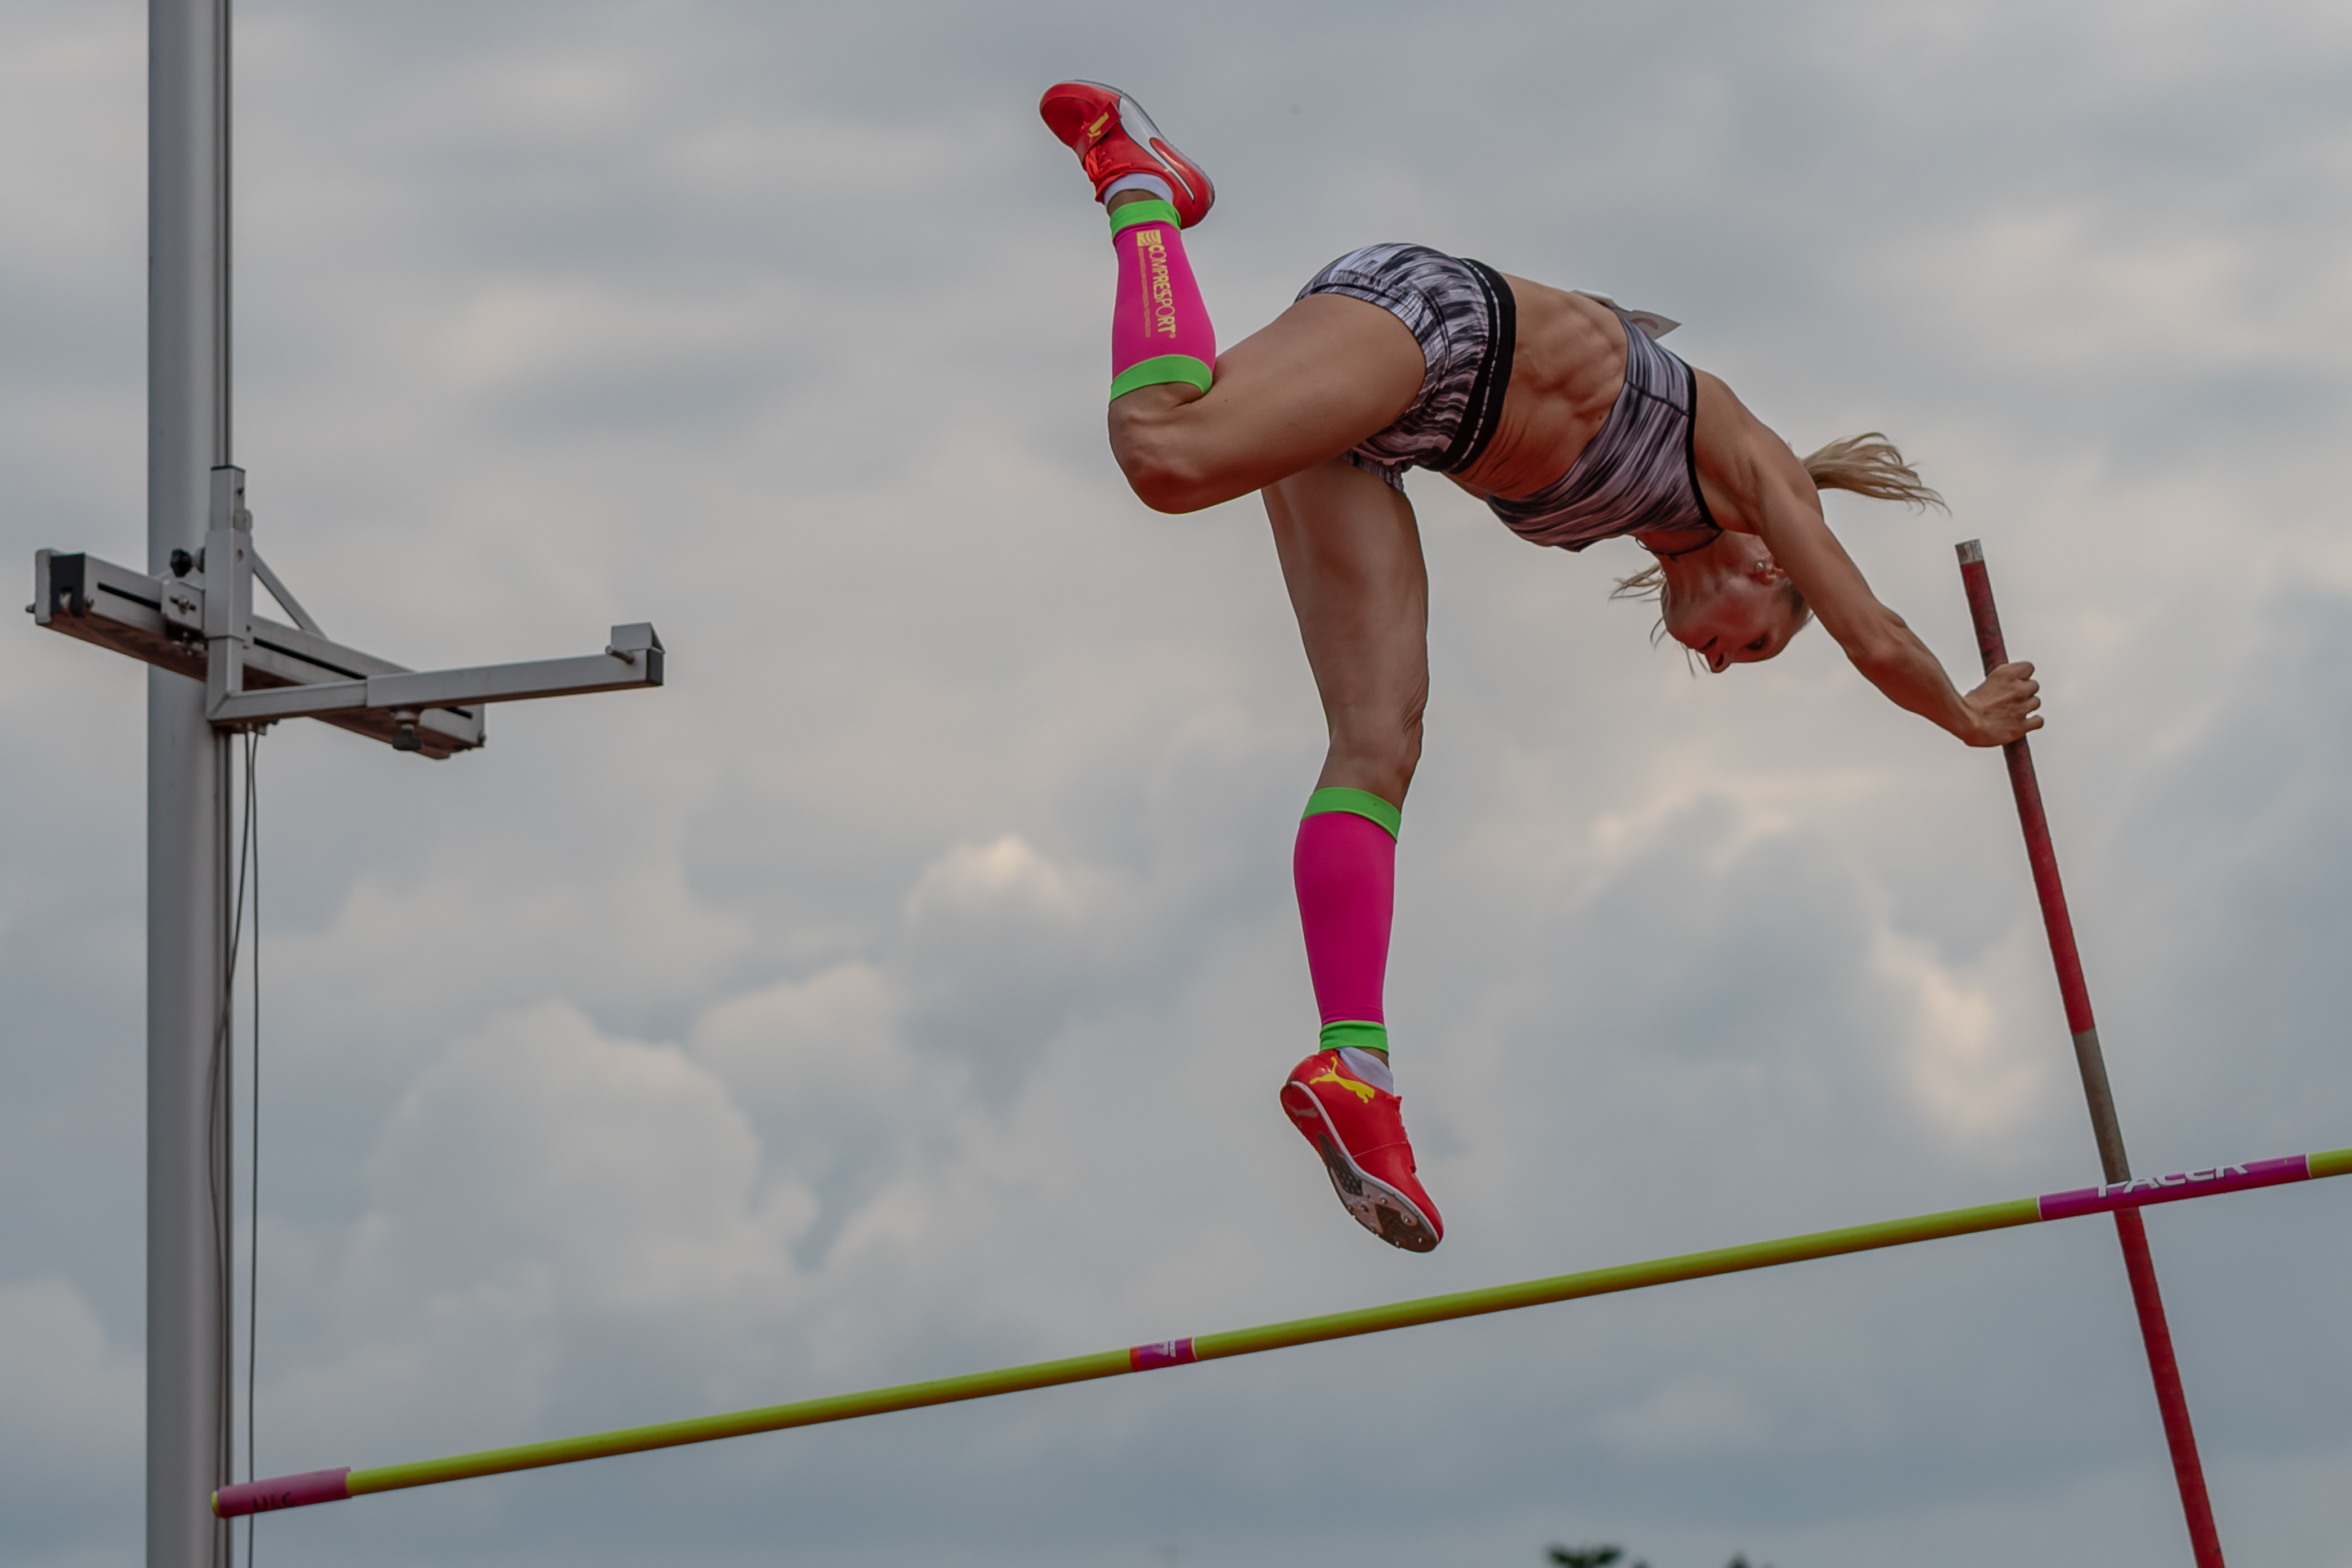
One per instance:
(1162, 467)
(1165, 483)
(1161, 482)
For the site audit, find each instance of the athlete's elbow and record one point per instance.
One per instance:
(1879, 659)
(1876, 643)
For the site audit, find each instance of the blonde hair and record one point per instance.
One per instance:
(1868, 464)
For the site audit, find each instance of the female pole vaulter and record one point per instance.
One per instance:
(1555, 408)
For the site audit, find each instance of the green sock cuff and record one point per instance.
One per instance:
(1151, 210)
(1356, 1036)
(1356, 802)
(1160, 370)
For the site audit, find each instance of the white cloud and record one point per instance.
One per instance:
(623, 1172)
(537, 1180)
(73, 1397)
(1977, 1066)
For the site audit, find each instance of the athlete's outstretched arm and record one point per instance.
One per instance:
(1754, 484)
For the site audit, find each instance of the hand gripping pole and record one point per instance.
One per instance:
(2171, 1401)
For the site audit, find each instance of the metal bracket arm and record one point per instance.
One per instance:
(162, 621)
(633, 658)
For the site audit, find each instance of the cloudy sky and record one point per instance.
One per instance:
(904, 989)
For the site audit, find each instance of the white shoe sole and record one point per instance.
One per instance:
(1378, 1207)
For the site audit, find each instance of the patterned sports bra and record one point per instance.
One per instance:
(1639, 474)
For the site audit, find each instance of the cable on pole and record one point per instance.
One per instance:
(251, 854)
(244, 914)
(220, 1083)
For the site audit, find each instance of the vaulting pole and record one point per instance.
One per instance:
(187, 797)
(336, 1485)
(2171, 1401)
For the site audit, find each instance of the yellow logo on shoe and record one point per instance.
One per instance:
(1094, 131)
(1363, 1092)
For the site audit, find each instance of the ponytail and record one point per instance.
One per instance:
(1868, 464)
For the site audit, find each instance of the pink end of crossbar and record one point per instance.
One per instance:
(1167, 1353)
(281, 1492)
(2144, 1190)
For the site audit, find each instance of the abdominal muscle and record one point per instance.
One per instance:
(1567, 365)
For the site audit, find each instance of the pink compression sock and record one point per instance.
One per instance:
(1160, 331)
(1345, 867)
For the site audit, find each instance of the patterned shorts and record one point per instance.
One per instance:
(1462, 314)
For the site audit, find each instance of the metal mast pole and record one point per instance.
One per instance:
(215, 667)
(187, 796)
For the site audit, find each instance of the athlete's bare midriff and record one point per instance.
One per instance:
(1567, 365)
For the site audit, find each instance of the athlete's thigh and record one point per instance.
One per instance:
(1351, 557)
(1324, 375)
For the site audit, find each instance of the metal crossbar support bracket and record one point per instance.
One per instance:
(198, 622)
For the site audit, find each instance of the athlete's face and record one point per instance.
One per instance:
(1739, 614)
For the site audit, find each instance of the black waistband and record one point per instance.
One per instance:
(1493, 380)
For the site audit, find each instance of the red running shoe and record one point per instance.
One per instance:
(1358, 1129)
(1112, 136)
